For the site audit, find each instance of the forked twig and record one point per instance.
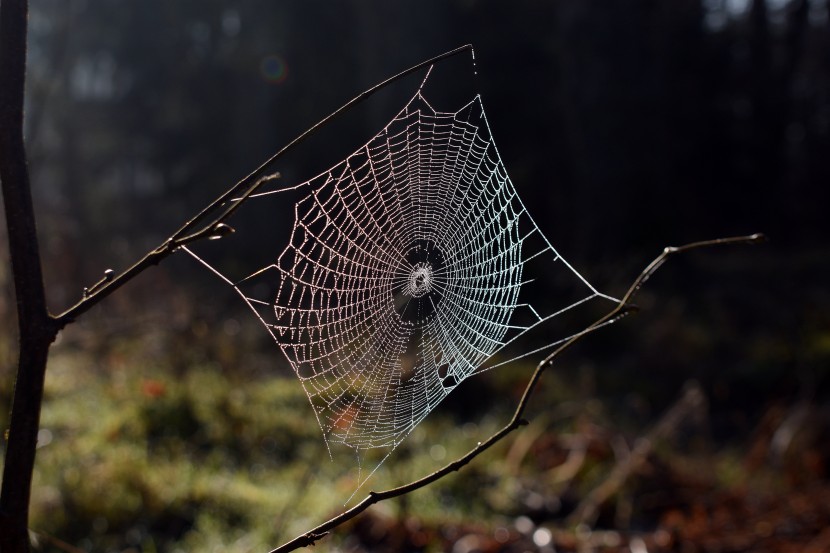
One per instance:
(621, 309)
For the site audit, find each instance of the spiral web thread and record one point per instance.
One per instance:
(405, 274)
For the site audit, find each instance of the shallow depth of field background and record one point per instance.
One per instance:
(172, 422)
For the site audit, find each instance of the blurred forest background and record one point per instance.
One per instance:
(172, 422)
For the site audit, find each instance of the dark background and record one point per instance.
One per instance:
(625, 126)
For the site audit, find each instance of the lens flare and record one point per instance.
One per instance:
(273, 69)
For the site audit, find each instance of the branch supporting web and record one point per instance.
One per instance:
(409, 268)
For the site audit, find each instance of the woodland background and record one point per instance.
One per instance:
(171, 420)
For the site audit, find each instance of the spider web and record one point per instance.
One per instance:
(410, 267)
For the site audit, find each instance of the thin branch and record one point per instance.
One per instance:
(262, 169)
(622, 308)
(228, 202)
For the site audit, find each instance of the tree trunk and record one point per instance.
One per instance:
(37, 327)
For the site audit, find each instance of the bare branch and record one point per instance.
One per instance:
(196, 228)
(623, 308)
(257, 173)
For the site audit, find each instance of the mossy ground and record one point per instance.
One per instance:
(133, 456)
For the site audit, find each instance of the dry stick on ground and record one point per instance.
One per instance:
(588, 508)
(623, 308)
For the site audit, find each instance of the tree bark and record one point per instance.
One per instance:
(37, 327)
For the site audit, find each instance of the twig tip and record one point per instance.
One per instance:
(220, 230)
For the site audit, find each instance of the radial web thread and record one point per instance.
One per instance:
(407, 271)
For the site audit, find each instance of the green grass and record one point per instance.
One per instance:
(132, 457)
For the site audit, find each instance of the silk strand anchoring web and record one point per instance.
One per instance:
(409, 268)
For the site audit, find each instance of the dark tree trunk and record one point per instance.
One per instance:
(37, 327)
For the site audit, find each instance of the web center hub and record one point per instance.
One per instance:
(420, 280)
